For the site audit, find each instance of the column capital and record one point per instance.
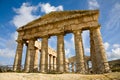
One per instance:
(19, 41)
(34, 39)
(46, 36)
(62, 33)
(98, 27)
(77, 31)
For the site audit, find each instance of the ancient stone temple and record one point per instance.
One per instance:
(58, 24)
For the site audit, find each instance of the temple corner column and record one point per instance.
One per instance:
(18, 56)
(102, 63)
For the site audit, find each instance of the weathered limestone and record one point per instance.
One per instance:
(61, 23)
(72, 64)
(44, 55)
(60, 53)
(29, 64)
(18, 57)
(73, 60)
(102, 64)
(54, 63)
(50, 62)
(66, 65)
(87, 66)
(80, 65)
(93, 53)
(36, 59)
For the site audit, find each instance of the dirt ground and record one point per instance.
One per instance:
(65, 76)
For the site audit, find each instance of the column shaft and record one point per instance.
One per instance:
(102, 63)
(18, 57)
(67, 67)
(60, 53)
(72, 64)
(44, 55)
(93, 53)
(36, 59)
(29, 63)
(80, 65)
(50, 62)
(54, 63)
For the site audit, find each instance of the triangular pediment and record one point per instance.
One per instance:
(58, 15)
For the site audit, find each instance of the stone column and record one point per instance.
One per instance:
(93, 53)
(60, 53)
(67, 67)
(29, 63)
(54, 63)
(87, 66)
(80, 65)
(36, 59)
(102, 62)
(44, 55)
(18, 57)
(50, 62)
(72, 64)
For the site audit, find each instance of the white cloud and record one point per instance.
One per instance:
(47, 8)
(53, 42)
(93, 4)
(113, 51)
(106, 45)
(68, 53)
(114, 18)
(87, 50)
(69, 46)
(114, 54)
(9, 47)
(116, 45)
(24, 14)
(7, 53)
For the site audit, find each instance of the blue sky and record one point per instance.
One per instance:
(16, 13)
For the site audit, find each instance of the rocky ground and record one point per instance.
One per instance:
(69, 76)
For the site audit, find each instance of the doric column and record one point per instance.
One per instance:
(44, 55)
(80, 66)
(29, 63)
(50, 62)
(87, 66)
(54, 63)
(67, 67)
(102, 63)
(18, 57)
(93, 53)
(60, 53)
(36, 59)
(72, 64)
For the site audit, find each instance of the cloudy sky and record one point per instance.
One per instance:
(16, 13)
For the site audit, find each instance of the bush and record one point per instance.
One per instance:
(116, 69)
(54, 72)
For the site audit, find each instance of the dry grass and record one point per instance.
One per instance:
(39, 76)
